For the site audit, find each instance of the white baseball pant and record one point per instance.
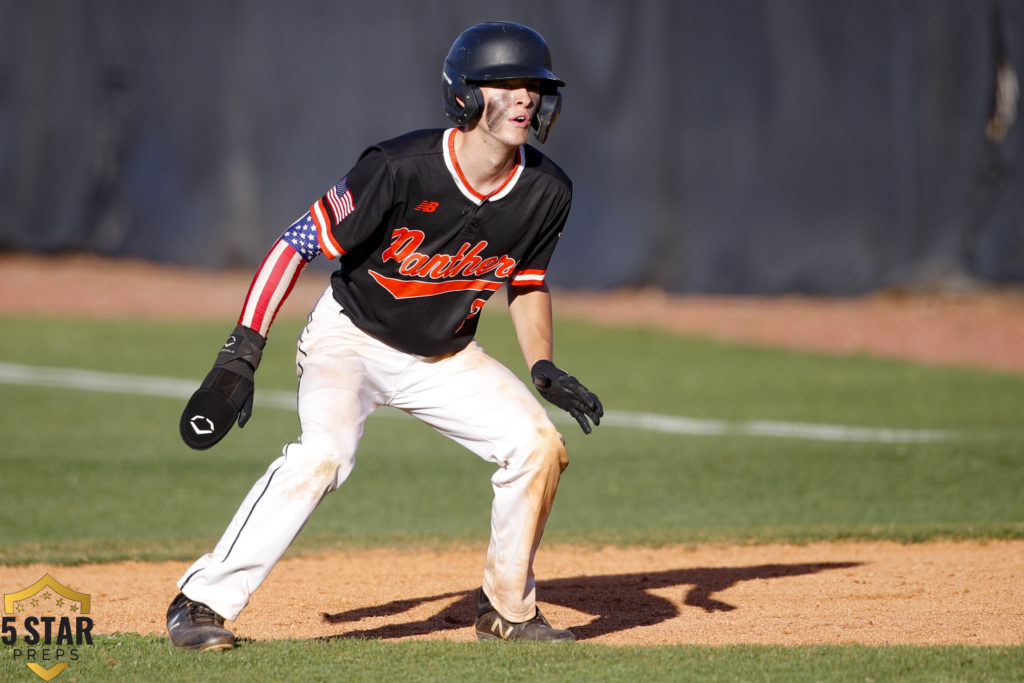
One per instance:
(345, 375)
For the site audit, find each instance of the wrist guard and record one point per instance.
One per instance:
(226, 394)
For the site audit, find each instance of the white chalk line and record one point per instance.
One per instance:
(168, 387)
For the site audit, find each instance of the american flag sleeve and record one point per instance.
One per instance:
(278, 273)
(330, 210)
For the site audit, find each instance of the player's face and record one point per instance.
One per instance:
(508, 108)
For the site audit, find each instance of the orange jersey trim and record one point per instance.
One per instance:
(410, 289)
(324, 236)
(528, 277)
(465, 180)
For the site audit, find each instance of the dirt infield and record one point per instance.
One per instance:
(871, 593)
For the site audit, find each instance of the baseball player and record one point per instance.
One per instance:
(425, 227)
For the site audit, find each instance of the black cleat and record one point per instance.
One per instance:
(492, 626)
(194, 626)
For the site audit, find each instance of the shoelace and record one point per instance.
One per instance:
(202, 614)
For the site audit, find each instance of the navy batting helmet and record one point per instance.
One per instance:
(497, 51)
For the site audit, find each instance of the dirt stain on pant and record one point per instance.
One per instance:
(509, 578)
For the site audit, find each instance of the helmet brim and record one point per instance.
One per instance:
(512, 72)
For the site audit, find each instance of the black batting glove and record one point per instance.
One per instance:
(225, 396)
(565, 391)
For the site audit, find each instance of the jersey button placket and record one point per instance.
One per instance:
(472, 223)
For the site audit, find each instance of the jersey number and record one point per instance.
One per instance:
(474, 310)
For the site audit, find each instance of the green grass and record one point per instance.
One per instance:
(130, 657)
(90, 476)
(102, 476)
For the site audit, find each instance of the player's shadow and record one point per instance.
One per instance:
(618, 602)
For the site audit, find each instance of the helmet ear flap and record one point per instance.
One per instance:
(547, 113)
(456, 89)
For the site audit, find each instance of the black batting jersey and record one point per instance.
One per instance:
(421, 251)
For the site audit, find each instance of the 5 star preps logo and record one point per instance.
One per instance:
(47, 618)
